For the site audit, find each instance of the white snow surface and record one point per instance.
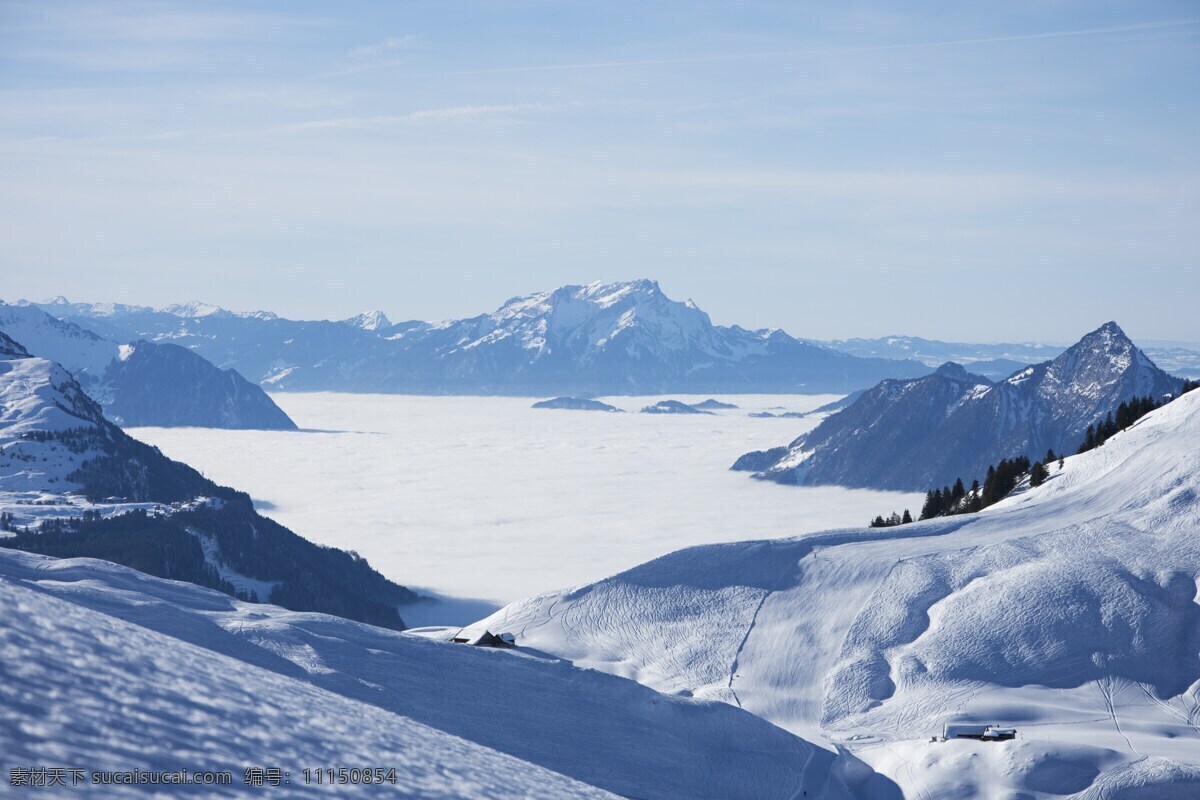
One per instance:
(37, 395)
(193, 308)
(1070, 611)
(103, 667)
(487, 498)
(86, 689)
(591, 318)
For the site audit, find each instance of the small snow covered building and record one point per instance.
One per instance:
(482, 637)
(975, 730)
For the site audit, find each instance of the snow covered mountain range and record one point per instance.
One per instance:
(998, 361)
(617, 338)
(924, 432)
(145, 383)
(72, 483)
(1070, 611)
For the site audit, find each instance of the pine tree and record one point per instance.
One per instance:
(907, 518)
(1037, 474)
(1050, 456)
(1125, 416)
(1089, 440)
(927, 509)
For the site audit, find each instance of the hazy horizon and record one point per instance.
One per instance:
(1144, 341)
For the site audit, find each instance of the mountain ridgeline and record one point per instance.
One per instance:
(616, 338)
(998, 361)
(160, 516)
(909, 435)
(142, 382)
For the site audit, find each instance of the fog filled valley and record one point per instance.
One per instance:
(485, 498)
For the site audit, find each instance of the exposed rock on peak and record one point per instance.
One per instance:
(914, 434)
(369, 321)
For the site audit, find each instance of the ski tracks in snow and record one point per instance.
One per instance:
(754, 619)
(1105, 685)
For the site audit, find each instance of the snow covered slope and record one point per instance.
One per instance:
(1070, 611)
(924, 432)
(144, 383)
(86, 689)
(39, 397)
(598, 338)
(132, 671)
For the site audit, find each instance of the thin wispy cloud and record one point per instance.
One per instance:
(385, 121)
(389, 45)
(145, 36)
(800, 53)
(100, 24)
(378, 55)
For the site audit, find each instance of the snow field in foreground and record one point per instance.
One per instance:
(106, 668)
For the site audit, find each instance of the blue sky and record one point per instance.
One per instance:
(938, 169)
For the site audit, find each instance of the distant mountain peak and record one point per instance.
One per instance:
(1109, 334)
(1104, 358)
(951, 369)
(369, 321)
(638, 284)
(1106, 348)
(194, 309)
(605, 294)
